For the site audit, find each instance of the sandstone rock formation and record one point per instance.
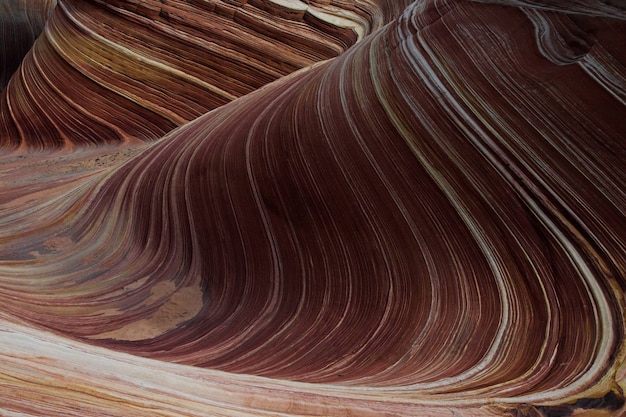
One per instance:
(136, 70)
(433, 222)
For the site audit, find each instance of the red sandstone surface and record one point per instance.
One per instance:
(316, 208)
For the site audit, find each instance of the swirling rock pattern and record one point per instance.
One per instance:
(136, 70)
(431, 223)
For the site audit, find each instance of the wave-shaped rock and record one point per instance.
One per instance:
(116, 71)
(432, 223)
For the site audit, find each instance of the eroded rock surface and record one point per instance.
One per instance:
(430, 223)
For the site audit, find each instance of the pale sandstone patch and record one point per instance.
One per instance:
(180, 307)
(58, 243)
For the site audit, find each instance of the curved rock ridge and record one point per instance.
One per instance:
(115, 71)
(606, 8)
(21, 21)
(432, 223)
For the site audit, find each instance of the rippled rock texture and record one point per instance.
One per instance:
(428, 222)
(114, 71)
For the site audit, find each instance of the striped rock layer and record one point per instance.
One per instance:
(431, 223)
(114, 71)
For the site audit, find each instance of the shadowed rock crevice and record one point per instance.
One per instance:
(610, 403)
(21, 22)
